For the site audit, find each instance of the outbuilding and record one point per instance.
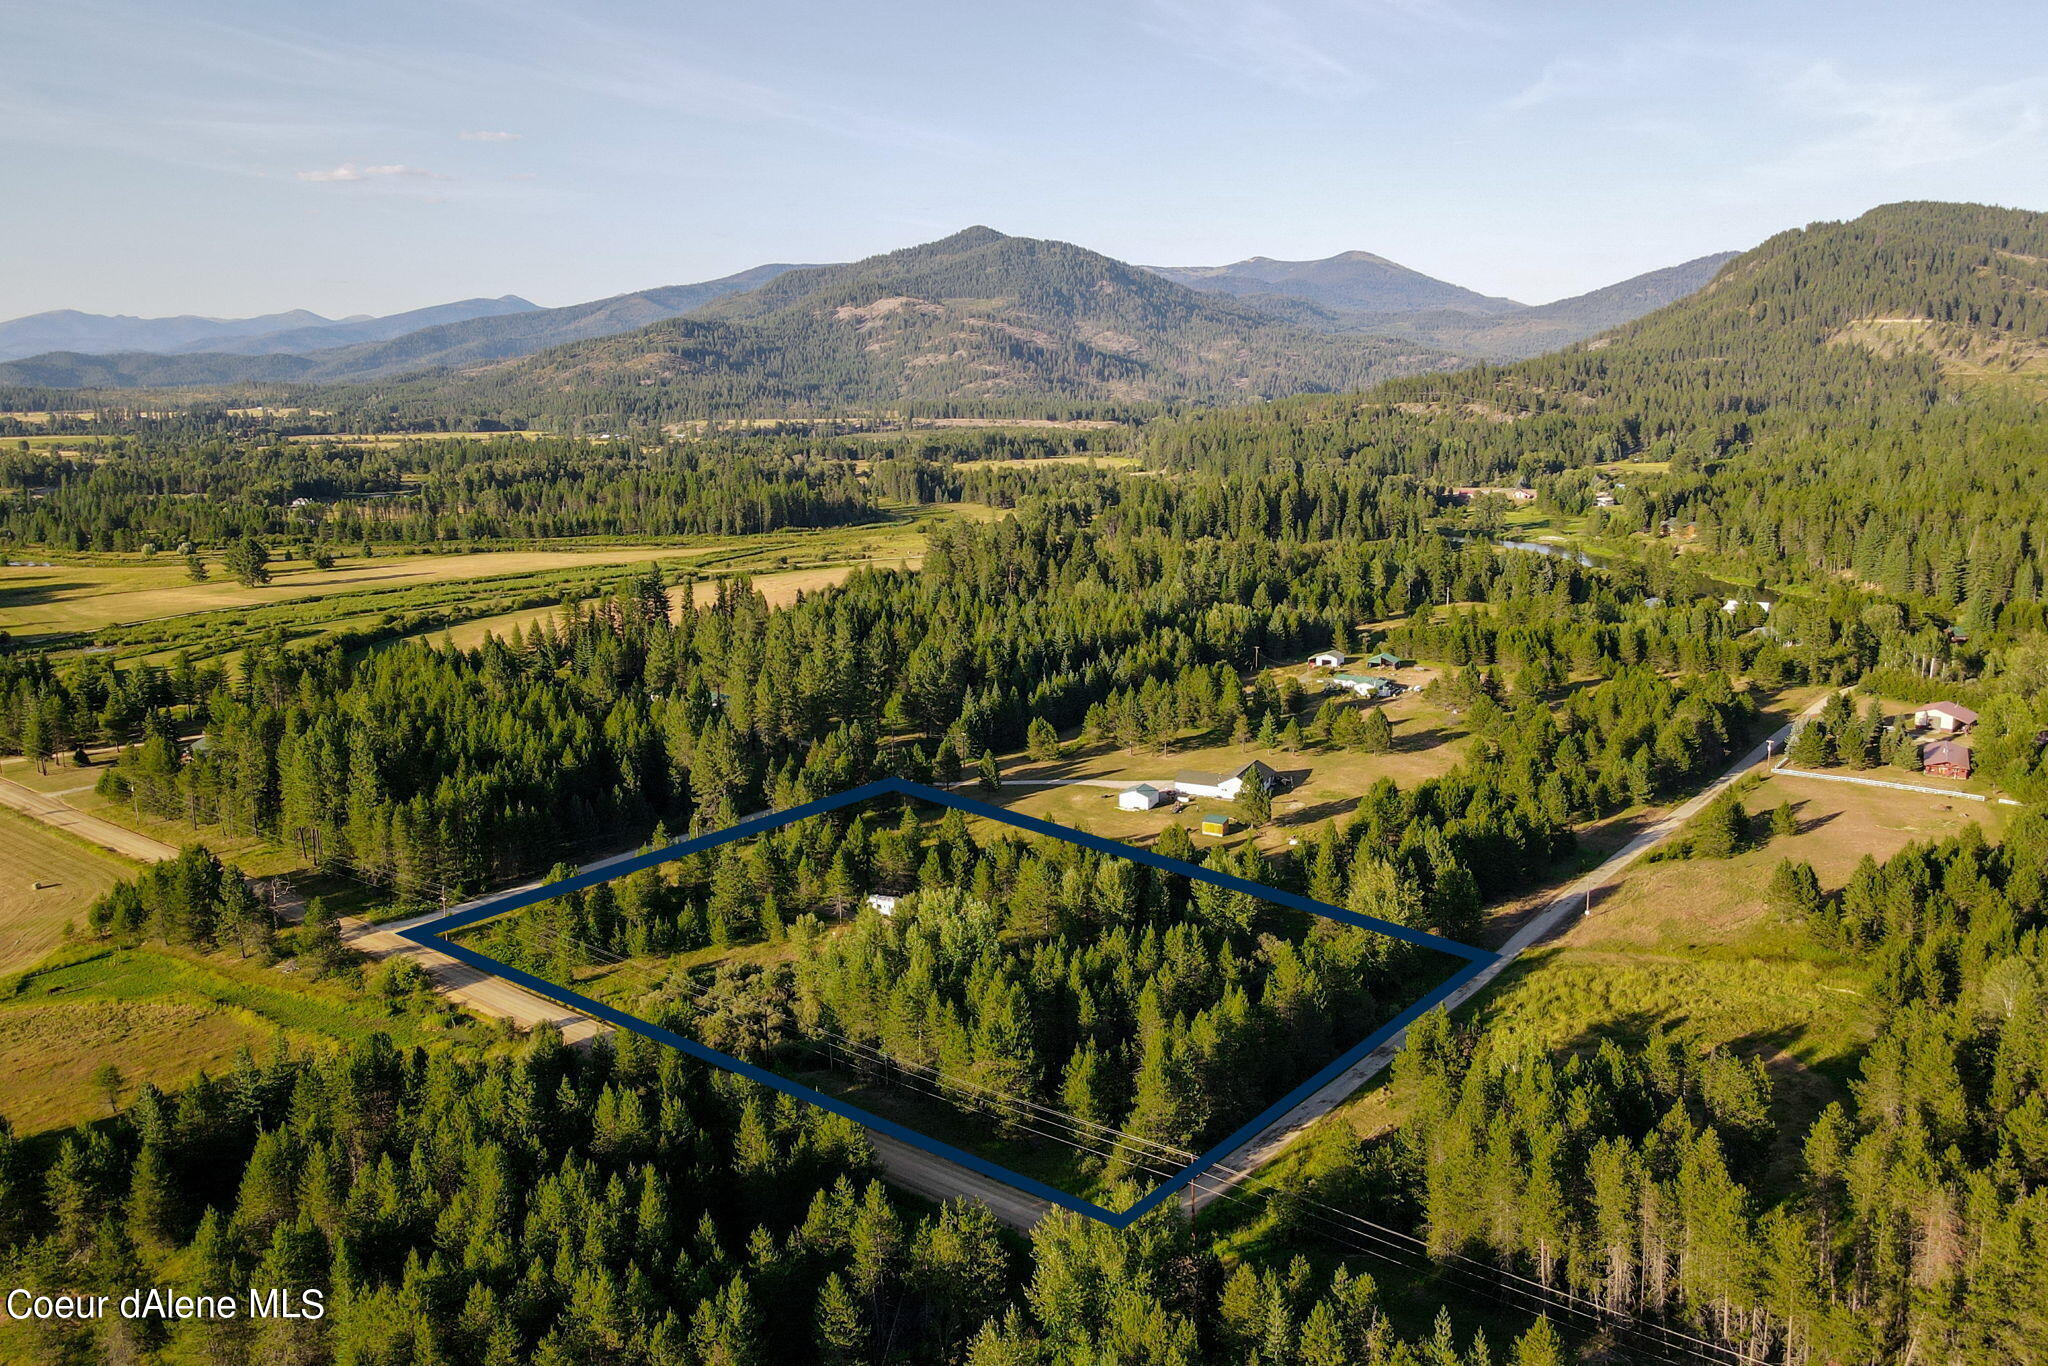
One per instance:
(1143, 796)
(1216, 825)
(1328, 659)
(1383, 659)
(1947, 716)
(882, 903)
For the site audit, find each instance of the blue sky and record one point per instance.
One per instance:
(231, 158)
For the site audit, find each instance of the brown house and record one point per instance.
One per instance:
(1945, 759)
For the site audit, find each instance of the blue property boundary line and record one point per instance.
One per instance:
(1476, 961)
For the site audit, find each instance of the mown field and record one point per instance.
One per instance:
(47, 882)
(137, 608)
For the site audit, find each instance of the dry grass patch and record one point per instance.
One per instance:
(51, 1051)
(47, 883)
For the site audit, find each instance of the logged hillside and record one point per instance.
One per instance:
(1787, 436)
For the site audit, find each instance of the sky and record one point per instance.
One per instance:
(368, 157)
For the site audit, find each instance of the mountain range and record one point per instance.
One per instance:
(295, 332)
(979, 315)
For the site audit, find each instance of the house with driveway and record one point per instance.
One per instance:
(1226, 785)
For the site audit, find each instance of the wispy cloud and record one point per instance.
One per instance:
(1626, 67)
(350, 171)
(1864, 124)
(468, 135)
(1261, 40)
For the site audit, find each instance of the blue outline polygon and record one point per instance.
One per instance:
(1477, 960)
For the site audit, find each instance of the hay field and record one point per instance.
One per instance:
(46, 881)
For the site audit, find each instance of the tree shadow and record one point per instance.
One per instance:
(1417, 741)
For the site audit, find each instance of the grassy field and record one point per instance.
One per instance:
(160, 1015)
(1325, 783)
(66, 600)
(48, 883)
(140, 608)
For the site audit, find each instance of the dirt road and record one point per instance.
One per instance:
(64, 816)
(1567, 906)
(933, 1177)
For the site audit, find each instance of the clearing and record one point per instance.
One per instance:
(160, 1015)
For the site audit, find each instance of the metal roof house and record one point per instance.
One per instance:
(1945, 759)
(1384, 659)
(1226, 785)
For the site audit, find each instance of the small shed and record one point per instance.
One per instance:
(1328, 659)
(1948, 716)
(1217, 825)
(1945, 759)
(1143, 797)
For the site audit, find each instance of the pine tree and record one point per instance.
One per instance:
(842, 1333)
(1254, 803)
(1041, 741)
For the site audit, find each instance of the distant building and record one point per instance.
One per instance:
(1945, 759)
(1603, 500)
(1328, 659)
(1365, 685)
(1216, 825)
(1226, 785)
(1382, 659)
(1732, 605)
(1143, 797)
(300, 503)
(882, 903)
(1466, 493)
(1948, 716)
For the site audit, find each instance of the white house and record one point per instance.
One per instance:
(1328, 659)
(1733, 605)
(1365, 685)
(1143, 797)
(1226, 785)
(883, 903)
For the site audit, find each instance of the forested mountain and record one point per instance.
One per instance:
(1857, 398)
(975, 317)
(349, 332)
(1524, 332)
(448, 342)
(1360, 292)
(1349, 282)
